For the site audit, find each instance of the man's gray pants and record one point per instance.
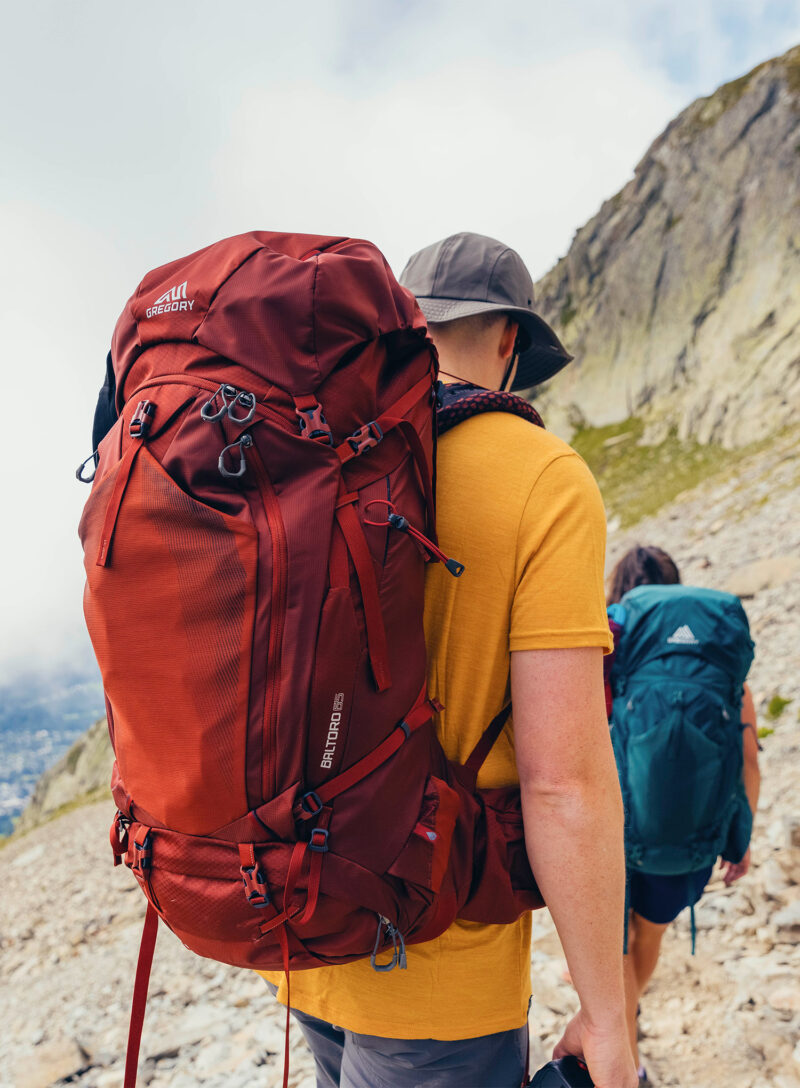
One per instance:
(345, 1059)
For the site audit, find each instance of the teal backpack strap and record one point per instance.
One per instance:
(694, 928)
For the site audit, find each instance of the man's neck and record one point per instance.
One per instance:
(465, 370)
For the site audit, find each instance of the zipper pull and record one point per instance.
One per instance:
(398, 947)
(242, 444)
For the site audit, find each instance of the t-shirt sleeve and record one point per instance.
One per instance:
(559, 601)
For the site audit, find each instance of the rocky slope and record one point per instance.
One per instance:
(729, 1018)
(82, 774)
(681, 298)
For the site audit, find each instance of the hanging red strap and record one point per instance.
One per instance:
(477, 756)
(115, 501)
(146, 949)
(139, 429)
(365, 572)
(283, 940)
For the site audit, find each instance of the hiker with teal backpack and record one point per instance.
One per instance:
(685, 739)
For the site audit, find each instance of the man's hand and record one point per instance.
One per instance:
(606, 1051)
(734, 870)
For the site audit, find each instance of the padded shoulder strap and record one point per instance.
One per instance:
(460, 401)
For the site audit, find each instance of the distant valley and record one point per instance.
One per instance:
(41, 714)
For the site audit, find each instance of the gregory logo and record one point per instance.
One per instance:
(171, 301)
(684, 636)
(333, 732)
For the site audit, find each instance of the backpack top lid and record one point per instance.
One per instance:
(285, 306)
(673, 621)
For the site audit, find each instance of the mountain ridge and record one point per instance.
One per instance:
(680, 298)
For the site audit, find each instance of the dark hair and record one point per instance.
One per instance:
(641, 567)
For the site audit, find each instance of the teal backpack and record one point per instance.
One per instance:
(682, 658)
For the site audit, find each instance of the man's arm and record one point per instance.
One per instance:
(572, 812)
(732, 871)
(752, 774)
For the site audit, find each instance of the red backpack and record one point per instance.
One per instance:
(255, 543)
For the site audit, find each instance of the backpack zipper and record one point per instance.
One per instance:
(280, 555)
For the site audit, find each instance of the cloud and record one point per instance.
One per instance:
(132, 138)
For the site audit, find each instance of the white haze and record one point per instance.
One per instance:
(130, 138)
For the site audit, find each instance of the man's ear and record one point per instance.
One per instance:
(507, 340)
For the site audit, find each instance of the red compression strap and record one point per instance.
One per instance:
(115, 501)
(388, 419)
(422, 713)
(146, 949)
(423, 468)
(365, 571)
(481, 750)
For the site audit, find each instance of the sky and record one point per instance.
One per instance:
(132, 136)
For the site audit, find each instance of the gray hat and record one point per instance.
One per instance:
(469, 274)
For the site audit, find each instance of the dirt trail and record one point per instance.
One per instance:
(727, 1018)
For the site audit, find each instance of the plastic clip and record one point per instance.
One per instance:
(319, 840)
(143, 856)
(142, 419)
(366, 437)
(255, 886)
(313, 424)
(311, 803)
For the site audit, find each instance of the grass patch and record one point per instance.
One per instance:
(672, 222)
(776, 707)
(791, 65)
(764, 732)
(636, 481)
(568, 311)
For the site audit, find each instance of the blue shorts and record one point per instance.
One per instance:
(660, 899)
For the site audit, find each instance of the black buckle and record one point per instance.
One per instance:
(320, 848)
(306, 807)
(365, 437)
(144, 859)
(142, 419)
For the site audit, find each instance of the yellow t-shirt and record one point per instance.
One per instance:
(522, 511)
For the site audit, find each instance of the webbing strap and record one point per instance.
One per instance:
(388, 419)
(139, 1003)
(292, 876)
(477, 756)
(365, 572)
(423, 468)
(693, 927)
(115, 502)
(423, 712)
(283, 940)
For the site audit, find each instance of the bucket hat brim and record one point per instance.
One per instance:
(544, 356)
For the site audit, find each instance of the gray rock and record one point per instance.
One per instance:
(763, 574)
(680, 299)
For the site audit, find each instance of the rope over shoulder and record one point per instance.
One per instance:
(460, 401)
